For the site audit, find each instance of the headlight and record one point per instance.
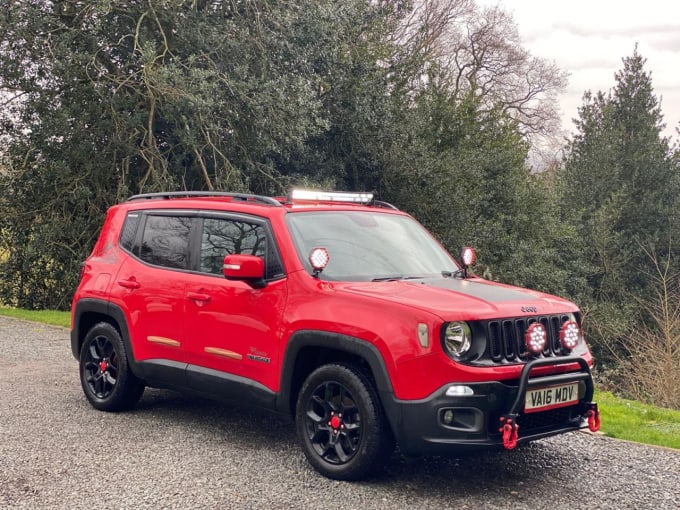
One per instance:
(457, 338)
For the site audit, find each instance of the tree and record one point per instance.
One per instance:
(115, 98)
(461, 172)
(619, 184)
(361, 97)
(478, 51)
(620, 190)
(118, 97)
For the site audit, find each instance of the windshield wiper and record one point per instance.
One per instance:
(459, 273)
(396, 277)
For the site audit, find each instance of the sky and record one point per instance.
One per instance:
(589, 39)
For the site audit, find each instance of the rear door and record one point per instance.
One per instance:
(150, 285)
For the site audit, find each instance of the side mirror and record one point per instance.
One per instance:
(246, 268)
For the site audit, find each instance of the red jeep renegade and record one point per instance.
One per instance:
(334, 308)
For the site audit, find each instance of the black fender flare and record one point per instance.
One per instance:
(342, 343)
(108, 310)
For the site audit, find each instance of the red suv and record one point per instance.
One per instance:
(334, 308)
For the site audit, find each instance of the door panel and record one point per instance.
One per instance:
(153, 299)
(231, 326)
(151, 291)
(236, 330)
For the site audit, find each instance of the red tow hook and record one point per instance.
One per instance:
(593, 415)
(509, 429)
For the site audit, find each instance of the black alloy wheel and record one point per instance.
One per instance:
(333, 423)
(101, 367)
(105, 374)
(341, 424)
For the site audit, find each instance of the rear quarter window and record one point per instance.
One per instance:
(129, 232)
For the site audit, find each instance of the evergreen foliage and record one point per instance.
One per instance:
(620, 190)
(107, 99)
(104, 99)
(110, 98)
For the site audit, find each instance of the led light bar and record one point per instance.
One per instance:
(302, 195)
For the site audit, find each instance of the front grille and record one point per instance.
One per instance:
(506, 338)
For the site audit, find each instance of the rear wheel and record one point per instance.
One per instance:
(105, 373)
(341, 424)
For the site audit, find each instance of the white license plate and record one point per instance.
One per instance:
(553, 397)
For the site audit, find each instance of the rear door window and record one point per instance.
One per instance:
(165, 241)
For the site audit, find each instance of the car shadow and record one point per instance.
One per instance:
(539, 463)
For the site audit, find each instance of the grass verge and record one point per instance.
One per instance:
(51, 317)
(638, 422)
(623, 419)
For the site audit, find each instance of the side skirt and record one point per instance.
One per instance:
(207, 383)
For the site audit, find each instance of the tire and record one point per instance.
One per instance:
(105, 373)
(341, 425)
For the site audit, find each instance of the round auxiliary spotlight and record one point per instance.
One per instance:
(536, 337)
(319, 258)
(570, 335)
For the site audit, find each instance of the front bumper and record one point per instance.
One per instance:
(476, 421)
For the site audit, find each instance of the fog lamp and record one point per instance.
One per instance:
(319, 258)
(459, 391)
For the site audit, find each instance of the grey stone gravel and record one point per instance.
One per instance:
(175, 451)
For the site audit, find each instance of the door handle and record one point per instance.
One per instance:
(198, 296)
(130, 283)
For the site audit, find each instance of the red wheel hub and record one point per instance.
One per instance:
(103, 366)
(335, 422)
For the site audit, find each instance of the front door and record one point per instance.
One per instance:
(231, 327)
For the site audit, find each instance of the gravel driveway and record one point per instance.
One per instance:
(174, 451)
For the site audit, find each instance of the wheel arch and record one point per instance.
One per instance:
(89, 312)
(307, 350)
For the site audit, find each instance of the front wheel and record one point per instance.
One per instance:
(341, 424)
(105, 373)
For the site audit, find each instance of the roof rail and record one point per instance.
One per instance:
(384, 205)
(245, 197)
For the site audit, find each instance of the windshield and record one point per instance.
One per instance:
(367, 245)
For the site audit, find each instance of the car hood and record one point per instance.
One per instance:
(468, 299)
